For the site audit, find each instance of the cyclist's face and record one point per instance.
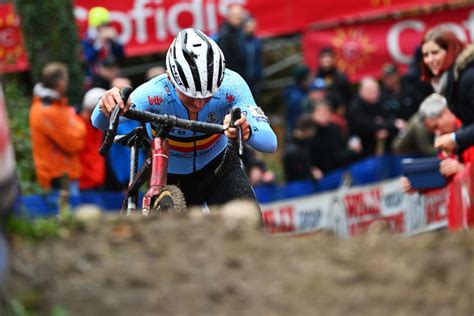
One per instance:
(193, 105)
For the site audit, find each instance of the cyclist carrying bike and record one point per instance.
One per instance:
(198, 87)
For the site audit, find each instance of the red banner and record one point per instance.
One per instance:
(363, 49)
(12, 55)
(461, 199)
(148, 26)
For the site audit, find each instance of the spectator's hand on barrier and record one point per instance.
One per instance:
(449, 167)
(231, 132)
(317, 173)
(406, 185)
(110, 99)
(446, 143)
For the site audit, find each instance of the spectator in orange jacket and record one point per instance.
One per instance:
(92, 163)
(57, 132)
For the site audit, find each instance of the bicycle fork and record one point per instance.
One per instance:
(132, 200)
(159, 171)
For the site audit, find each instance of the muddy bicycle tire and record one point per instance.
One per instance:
(170, 200)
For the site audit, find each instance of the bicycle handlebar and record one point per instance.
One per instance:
(173, 121)
(114, 121)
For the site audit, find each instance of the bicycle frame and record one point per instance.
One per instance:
(159, 171)
(158, 161)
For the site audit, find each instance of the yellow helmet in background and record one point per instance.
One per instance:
(98, 16)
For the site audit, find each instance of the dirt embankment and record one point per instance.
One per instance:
(194, 265)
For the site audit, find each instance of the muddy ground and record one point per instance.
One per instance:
(195, 265)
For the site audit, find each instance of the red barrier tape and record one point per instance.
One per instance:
(461, 200)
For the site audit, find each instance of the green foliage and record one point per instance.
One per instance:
(42, 228)
(51, 35)
(18, 309)
(33, 229)
(18, 105)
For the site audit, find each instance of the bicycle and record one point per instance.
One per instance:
(160, 197)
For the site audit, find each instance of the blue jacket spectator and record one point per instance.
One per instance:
(100, 41)
(294, 96)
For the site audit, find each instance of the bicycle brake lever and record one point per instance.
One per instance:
(239, 141)
(235, 115)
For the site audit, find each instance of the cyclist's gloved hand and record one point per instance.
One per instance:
(231, 132)
(110, 99)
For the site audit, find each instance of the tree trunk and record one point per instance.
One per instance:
(50, 34)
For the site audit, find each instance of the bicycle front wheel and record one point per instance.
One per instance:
(170, 200)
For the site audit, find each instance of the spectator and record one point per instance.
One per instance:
(391, 90)
(253, 55)
(329, 149)
(296, 157)
(414, 89)
(339, 109)
(437, 117)
(101, 40)
(154, 71)
(370, 120)
(107, 71)
(92, 163)
(415, 139)
(57, 132)
(449, 66)
(121, 82)
(294, 96)
(317, 93)
(336, 81)
(231, 39)
(400, 95)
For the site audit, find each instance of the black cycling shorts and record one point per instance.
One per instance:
(204, 186)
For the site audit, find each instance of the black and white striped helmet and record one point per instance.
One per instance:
(195, 64)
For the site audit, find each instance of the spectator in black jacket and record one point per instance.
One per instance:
(336, 81)
(329, 148)
(231, 39)
(370, 120)
(402, 95)
(296, 157)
